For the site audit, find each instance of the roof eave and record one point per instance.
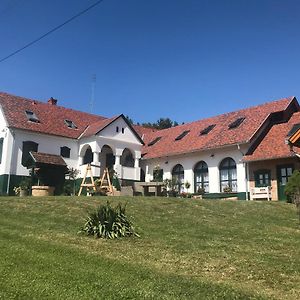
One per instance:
(268, 158)
(199, 150)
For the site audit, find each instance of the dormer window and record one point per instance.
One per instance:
(31, 116)
(293, 129)
(207, 129)
(182, 135)
(70, 124)
(236, 123)
(154, 141)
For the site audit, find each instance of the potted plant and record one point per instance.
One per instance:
(23, 189)
(201, 191)
(227, 189)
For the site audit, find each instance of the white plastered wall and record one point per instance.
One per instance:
(7, 144)
(117, 141)
(213, 159)
(46, 143)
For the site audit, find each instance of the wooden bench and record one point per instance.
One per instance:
(261, 193)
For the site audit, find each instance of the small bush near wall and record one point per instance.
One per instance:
(292, 190)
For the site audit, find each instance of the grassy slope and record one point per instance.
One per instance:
(189, 249)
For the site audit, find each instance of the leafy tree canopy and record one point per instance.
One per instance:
(162, 123)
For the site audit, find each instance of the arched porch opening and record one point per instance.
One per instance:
(88, 156)
(127, 159)
(107, 157)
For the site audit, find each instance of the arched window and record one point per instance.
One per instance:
(27, 147)
(127, 158)
(178, 177)
(88, 156)
(228, 179)
(201, 177)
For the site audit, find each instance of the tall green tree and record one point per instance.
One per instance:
(162, 123)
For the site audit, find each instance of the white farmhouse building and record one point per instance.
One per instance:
(80, 138)
(234, 151)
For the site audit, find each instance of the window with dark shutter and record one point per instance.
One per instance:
(27, 147)
(65, 151)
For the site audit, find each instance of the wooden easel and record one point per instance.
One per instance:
(109, 186)
(83, 183)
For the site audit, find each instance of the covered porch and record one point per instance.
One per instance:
(122, 161)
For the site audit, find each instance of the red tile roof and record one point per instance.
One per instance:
(273, 145)
(51, 116)
(143, 130)
(219, 136)
(52, 122)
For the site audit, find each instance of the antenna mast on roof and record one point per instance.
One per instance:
(93, 87)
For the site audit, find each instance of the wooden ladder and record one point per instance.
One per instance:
(109, 187)
(83, 183)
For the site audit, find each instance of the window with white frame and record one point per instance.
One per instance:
(201, 177)
(178, 177)
(228, 177)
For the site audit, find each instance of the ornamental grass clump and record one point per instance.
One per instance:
(108, 222)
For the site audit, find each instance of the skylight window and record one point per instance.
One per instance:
(31, 116)
(182, 135)
(154, 141)
(236, 123)
(70, 124)
(207, 129)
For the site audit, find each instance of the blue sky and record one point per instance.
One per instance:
(183, 59)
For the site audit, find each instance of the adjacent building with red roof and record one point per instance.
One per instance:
(232, 152)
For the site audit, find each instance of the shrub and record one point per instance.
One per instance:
(292, 187)
(108, 222)
(292, 190)
(25, 183)
(172, 187)
(200, 191)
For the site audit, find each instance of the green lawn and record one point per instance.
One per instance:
(189, 249)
